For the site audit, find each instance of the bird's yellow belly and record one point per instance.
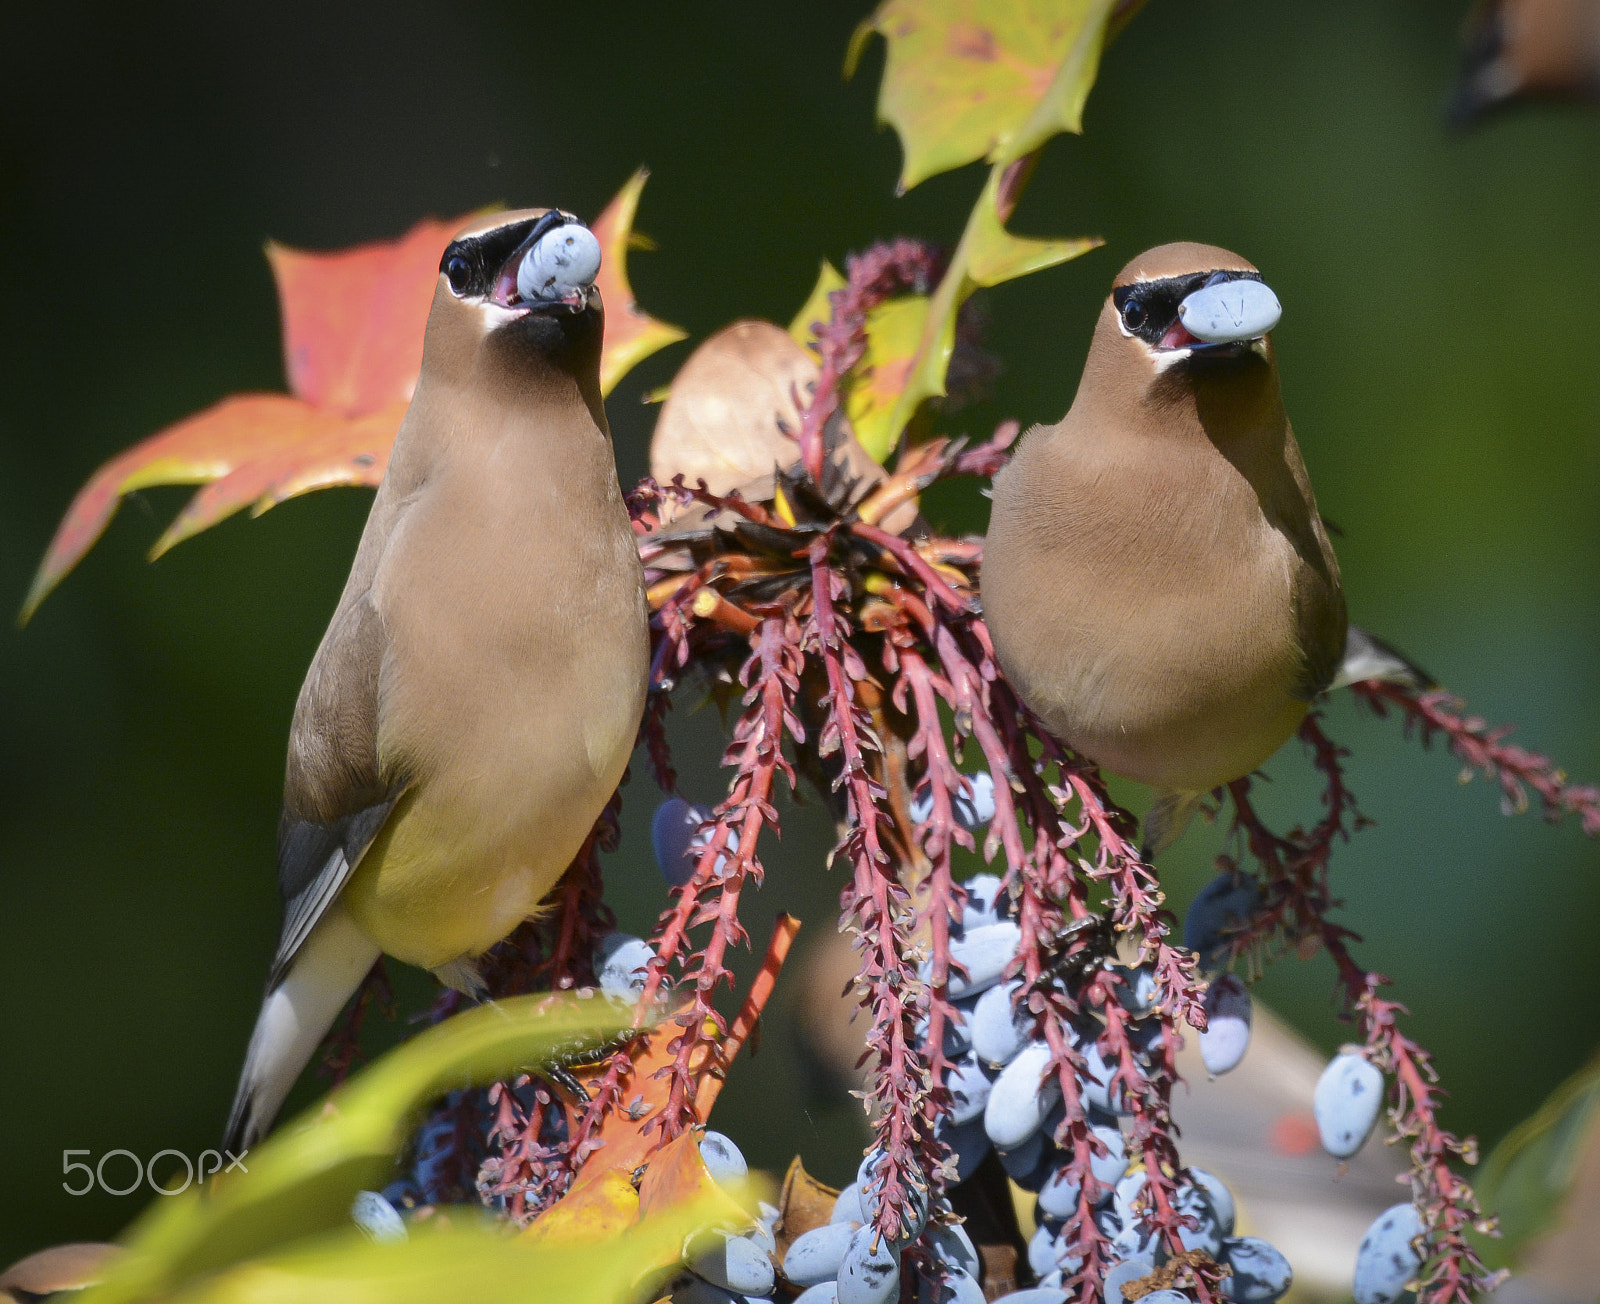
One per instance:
(441, 882)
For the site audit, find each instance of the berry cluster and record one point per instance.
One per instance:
(1005, 1099)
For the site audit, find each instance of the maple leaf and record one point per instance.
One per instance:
(353, 323)
(971, 79)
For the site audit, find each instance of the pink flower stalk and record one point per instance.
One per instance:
(1483, 750)
(1294, 912)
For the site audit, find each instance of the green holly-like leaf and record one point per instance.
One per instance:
(987, 255)
(985, 79)
(817, 308)
(971, 79)
(872, 393)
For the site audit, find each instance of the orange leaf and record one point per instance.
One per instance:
(353, 320)
(631, 334)
(678, 1175)
(627, 1140)
(329, 451)
(601, 1210)
(204, 447)
(596, 1198)
(353, 324)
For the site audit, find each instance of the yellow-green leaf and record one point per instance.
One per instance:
(468, 1263)
(816, 308)
(971, 79)
(894, 330)
(871, 391)
(632, 334)
(987, 255)
(301, 1182)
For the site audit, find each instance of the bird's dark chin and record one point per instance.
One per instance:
(553, 328)
(1231, 352)
(571, 306)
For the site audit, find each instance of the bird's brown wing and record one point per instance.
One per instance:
(335, 797)
(1319, 613)
(1318, 595)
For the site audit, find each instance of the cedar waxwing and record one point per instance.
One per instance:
(1158, 582)
(475, 699)
(1527, 49)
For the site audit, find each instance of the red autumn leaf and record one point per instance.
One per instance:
(296, 451)
(353, 320)
(353, 323)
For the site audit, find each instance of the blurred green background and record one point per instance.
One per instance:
(1438, 352)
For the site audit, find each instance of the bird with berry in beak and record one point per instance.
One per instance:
(1157, 579)
(474, 701)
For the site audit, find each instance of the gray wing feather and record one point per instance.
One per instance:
(314, 863)
(335, 799)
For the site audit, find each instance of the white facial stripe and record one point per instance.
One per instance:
(1164, 359)
(496, 315)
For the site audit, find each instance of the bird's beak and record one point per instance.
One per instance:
(554, 269)
(575, 299)
(1226, 317)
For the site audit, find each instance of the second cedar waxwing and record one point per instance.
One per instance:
(1524, 50)
(1157, 580)
(475, 699)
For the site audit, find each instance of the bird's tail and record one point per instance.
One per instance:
(294, 1018)
(1366, 656)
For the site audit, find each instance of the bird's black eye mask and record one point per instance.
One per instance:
(475, 264)
(1149, 309)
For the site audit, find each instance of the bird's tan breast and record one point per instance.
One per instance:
(1144, 605)
(513, 687)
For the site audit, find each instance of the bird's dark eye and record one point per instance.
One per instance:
(1133, 314)
(458, 270)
